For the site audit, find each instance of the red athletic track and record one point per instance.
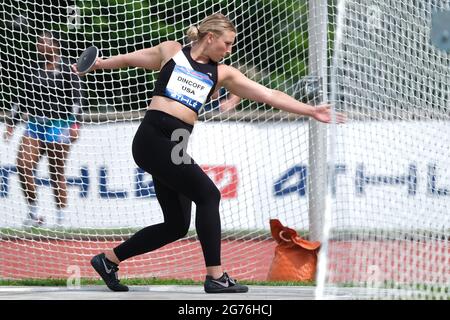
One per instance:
(180, 260)
(400, 261)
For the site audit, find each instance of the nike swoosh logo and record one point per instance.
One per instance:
(108, 270)
(223, 284)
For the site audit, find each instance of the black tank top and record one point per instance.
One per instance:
(184, 80)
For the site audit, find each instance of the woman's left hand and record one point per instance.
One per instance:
(322, 113)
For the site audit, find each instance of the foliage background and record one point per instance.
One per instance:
(271, 47)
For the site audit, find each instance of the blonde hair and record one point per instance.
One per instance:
(216, 23)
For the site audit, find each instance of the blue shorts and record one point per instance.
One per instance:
(49, 131)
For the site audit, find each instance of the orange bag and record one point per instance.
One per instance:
(295, 258)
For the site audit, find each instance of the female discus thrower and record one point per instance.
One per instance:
(188, 77)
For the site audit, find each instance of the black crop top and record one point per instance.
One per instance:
(187, 81)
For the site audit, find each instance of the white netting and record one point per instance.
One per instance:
(389, 225)
(253, 156)
(390, 222)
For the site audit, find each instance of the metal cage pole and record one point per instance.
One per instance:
(317, 81)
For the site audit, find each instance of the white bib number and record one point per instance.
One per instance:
(189, 87)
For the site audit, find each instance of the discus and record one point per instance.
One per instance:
(87, 59)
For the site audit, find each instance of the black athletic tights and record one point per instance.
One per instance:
(176, 186)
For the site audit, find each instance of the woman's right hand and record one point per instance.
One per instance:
(94, 67)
